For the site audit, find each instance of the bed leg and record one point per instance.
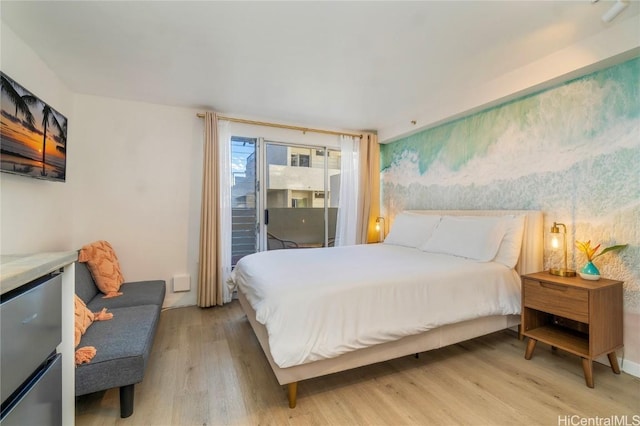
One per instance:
(293, 394)
(417, 356)
(520, 335)
(531, 345)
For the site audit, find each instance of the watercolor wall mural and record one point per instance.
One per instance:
(572, 151)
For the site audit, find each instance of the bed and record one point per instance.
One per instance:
(440, 277)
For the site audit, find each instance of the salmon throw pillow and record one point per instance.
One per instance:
(104, 267)
(83, 319)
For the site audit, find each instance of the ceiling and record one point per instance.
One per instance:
(344, 65)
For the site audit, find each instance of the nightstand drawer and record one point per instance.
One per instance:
(558, 299)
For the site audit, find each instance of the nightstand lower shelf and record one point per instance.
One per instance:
(573, 342)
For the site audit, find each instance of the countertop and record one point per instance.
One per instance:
(16, 270)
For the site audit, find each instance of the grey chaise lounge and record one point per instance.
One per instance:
(123, 343)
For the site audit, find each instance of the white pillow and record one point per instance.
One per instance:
(475, 238)
(411, 230)
(509, 251)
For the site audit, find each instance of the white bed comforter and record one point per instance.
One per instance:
(321, 303)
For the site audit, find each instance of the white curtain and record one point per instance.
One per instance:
(347, 223)
(224, 214)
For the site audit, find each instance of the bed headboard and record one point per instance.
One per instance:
(532, 245)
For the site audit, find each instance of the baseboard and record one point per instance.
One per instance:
(629, 367)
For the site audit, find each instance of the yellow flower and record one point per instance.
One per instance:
(590, 252)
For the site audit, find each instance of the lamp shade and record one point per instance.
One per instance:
(558, 242)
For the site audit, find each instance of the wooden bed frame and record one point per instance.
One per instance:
(530, 261)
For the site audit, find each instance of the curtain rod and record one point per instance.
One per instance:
(282, 126)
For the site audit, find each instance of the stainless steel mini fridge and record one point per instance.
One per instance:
(31, 378)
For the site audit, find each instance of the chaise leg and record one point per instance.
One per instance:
(126, 401)
(293, 394)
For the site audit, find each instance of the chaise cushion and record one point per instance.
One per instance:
(133, 294)
(123, 345)
(85, 286)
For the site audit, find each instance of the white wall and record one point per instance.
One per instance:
(35, 215)
(136, 172)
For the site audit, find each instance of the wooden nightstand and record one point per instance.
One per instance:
(579, 316)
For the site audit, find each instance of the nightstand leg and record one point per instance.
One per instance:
(587, 366)
(531, 345)
(613, 360)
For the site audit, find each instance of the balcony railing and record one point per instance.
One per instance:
(288, 228)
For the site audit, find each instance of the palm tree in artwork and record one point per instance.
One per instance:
(47, 116)
(30, 101)
(21, 102)
(62, 134)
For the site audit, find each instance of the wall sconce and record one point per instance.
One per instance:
(559, 242)
(380, 228)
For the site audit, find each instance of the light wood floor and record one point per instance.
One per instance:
(207, 368)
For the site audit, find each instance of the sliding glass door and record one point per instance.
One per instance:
(283, 196)
(301, 196)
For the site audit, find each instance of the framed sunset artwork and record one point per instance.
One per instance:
(33, 135)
